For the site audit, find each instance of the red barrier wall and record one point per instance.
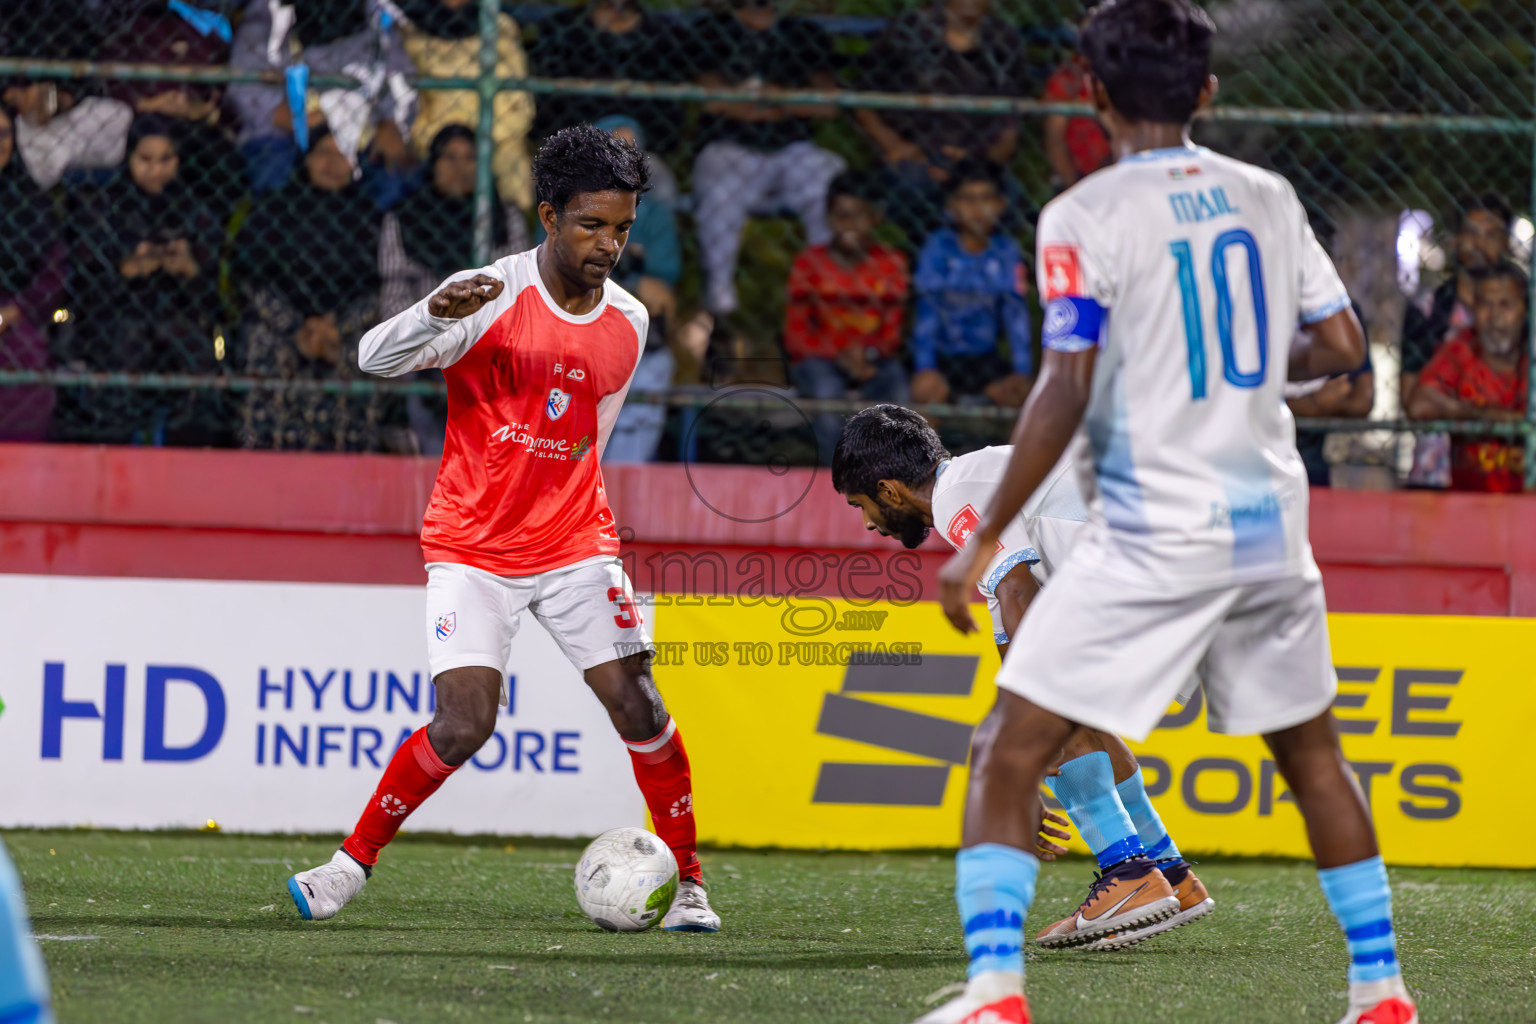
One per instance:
(95, 511)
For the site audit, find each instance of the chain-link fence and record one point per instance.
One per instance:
(204, 205)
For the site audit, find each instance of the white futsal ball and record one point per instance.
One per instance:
(625, 880)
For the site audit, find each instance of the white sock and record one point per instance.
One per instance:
(990, 986)
(1368, 993)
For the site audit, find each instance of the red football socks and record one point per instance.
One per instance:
(413, 774)
(661, 769)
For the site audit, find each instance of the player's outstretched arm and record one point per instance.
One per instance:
(459, 299)
(418, 337)
(1332, 345)
(1045, 428)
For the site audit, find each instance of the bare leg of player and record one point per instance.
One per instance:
(1350, 867)
(467, 700)
(629, 694)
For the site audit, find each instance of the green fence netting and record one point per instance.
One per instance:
(203, 206)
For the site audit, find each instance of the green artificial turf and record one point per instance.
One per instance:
(171, 928)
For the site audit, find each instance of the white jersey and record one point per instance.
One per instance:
(1191, 271)
(1039, 536)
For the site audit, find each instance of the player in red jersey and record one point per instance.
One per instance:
(538, 350)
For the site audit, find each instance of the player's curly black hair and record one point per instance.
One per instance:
(885, 442)
(1153, 56)
(582, 158)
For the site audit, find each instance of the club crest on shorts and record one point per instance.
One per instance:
(559, 401)
(445, 624)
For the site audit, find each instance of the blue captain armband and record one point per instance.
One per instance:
(1072, 324)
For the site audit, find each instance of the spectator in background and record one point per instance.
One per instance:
(1342, 396)
(144, 280)
(306, 261)
(663, 182)
(431, 235)
(971, 285)
(648, 269)
(210, 165)
(609, 39)
(58, 131)
(31, 278)
(758, 158)
(1075, 147)
(351, 37)
(1482, 240)
(955, 47)
(842, 330)
(443, 40)
(428, 238)
(1482, 374)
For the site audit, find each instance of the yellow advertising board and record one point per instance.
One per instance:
(826, 724)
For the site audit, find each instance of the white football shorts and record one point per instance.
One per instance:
(1112, 655)
(588, 607)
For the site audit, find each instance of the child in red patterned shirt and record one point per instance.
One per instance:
(847, 299)
(1482, 374)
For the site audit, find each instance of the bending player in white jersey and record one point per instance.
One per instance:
(892, 466)
(1175, 281)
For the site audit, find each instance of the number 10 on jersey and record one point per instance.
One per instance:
(1194, 329)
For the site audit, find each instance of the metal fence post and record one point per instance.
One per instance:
(485, 86)
(1530, 318)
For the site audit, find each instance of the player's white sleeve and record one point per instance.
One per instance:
(1322, 292)
(957, 510)
(995, 609)
(609, 405)
(414, 339)
(1075, 281)
(1054, 538)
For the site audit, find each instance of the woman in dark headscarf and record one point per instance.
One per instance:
(31, 276)
(307, 265)
(145, 286)
(432, 234)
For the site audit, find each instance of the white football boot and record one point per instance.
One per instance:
(992, 997)
(1380, 1002)
(321, 892)
(690, 910)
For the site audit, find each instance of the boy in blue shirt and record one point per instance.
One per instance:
(971, 284)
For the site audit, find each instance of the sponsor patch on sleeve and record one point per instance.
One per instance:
(1063, 271)
(961, 525)
(1072, 324)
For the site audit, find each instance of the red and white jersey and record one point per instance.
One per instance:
(533, 392)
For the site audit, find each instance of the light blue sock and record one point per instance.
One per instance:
(23, 980)
(994, 886)
(1149, 827)
(1086, 788)
(1362, 901)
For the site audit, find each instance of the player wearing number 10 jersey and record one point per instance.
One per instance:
(1175, 282)
(538, 350)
